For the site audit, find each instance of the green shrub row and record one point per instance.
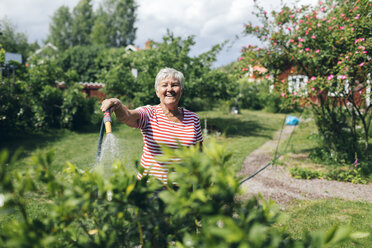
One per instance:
(353, 175)
(87, 209)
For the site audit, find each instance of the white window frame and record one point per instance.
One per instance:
(297, 83)
(346, 88)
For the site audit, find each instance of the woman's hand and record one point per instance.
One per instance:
(112, 103)
(129, 117)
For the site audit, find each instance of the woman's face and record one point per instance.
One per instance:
(169, 91)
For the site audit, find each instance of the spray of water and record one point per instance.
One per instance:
(109, 153)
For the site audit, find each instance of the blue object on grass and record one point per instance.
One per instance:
(291, 120)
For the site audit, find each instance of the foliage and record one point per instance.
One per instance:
(15, 42)
(83, 20)
(2, 54)
(60, 28)
(330, 44)
(353, 175)
(114, 23)
(111, 26)
(203, 85)
(81, 60)
(86, 209)
(36, 103)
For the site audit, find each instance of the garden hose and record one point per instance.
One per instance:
(105, 124)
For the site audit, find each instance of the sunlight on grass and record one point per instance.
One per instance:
(309, 216)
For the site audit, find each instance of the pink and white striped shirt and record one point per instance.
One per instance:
(158, 130)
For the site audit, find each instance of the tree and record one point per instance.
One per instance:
(203, 85)
(13, 41)
(82, 23)
(331, 44)
(114, 25)
(60, 29)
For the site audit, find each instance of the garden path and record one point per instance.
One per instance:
(275, 182)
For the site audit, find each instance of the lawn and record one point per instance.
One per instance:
(319, 216)
(241, 134)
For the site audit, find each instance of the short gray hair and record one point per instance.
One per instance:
(169, 72)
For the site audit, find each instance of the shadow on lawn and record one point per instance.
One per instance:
(235, 127)
(29, 142)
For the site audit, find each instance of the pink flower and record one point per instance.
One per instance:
(361, 48)
(282, 80)
(283, 94)
(294, 101)
(301, 21)
(322, 9)
(300, 51)
(353, 29)
(299, 45)
(313, 88)
(364, 52)
(292, 16)
(361, 64)
(300, 39)
(343, 77)
(330, 77)
(313, 36)
(291, 41)
(241, 58)
(312, 78)
(294, 93)
(307, 49)
(342, 27)
(317, 51)
(357, 16)
(319, 92)
(319, 25)
(329, 28)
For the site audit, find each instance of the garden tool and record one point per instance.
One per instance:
(106, 122)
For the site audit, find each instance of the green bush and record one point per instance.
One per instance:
(353, 175)
(301, 173)
(87, 209)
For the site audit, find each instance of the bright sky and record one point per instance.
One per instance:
(211, 21)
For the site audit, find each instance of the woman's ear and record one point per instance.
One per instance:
(157, 93)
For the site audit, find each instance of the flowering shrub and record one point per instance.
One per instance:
(85, 209)
(331, 44)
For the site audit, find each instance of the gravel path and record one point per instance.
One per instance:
(275, 182)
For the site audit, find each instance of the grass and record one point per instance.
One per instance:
(319, 216)
(77, 148)
(241, 134)
(296, 152)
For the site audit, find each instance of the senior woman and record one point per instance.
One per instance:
(163, 124)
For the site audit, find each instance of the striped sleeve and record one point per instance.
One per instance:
(145, 112)
(198, 132)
